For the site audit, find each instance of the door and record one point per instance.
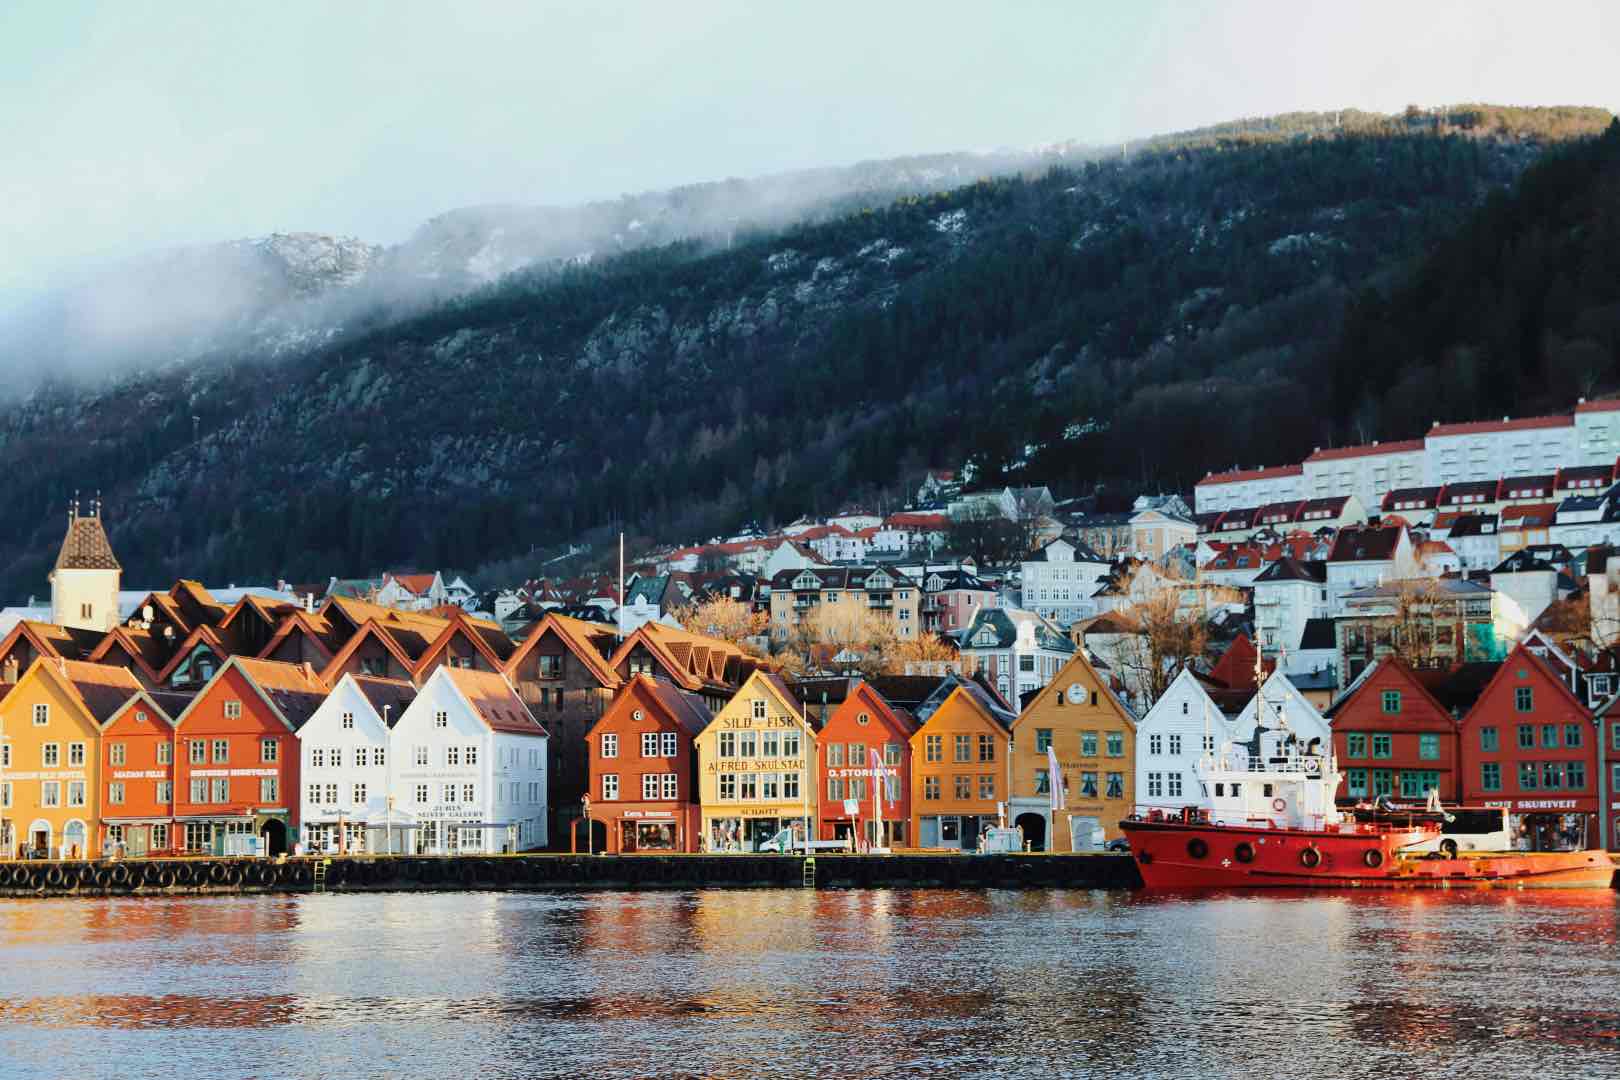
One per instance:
(928, 832)
(274, 834)
(1086, 833)
(73, 841)
(135, 840)
(1034, 826)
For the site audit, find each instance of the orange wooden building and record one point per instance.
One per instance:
(959, 765)
(862, 723)
(137, 768)
(644, 791)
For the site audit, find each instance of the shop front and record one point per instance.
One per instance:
(1551, 824)
(131, 838)
(652, 829)
(956, 831)
(740, 830)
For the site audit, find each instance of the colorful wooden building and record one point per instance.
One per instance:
(236, 760)
(1528, 744)
(50, 756)
(1093, 734)
(755, 764)
(858, 792)
(644, 775)
(137, 766)
(1392, 736)
(959, 765)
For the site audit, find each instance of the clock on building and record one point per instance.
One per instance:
(1077, 694)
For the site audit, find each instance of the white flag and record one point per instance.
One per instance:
(878, 778)
(1060, 800)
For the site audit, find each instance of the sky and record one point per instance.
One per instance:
(133, 127)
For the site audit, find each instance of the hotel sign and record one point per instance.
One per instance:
(1533, 804)
(199, 773)
(142, 774)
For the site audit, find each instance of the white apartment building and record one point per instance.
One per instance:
(1367, 472)
(1058, 580)
(469, 766)
(1489, 449)
(1287, 595)
(1240, 488)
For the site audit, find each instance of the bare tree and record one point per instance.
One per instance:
(725, 618)
(846, 628)
(1167, 632)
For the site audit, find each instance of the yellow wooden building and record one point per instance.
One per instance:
(50, 753)
(756, 767)
(1094, 735)
(958, 765)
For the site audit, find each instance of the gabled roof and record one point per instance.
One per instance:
(981, 696)
(389, 698)
(85, 546)
(49, 639)
(1341, 453)
(460, 626)
(292, 690)
(203, 635)
(1413, 498)
(167, 704)
(1483, 427)
(1467, 525)
(1365, 545)
(149, 653)
(1083, 551)
(1235, 669)
(691, 660)
(1521, 655)
(1355, 690)
(581, 639)
(101, 689)
(687, 711)
(1233, 476)
(494, 698)
(1291, 569)
(312, 625)
(1527, 515)
(389, 637)
(196, 604)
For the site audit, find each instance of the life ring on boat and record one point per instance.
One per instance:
(1155, 815)
(1448, 848)
(1373, 858)
(1310, 858)
(1244, 852)
(1196, 848)
(1279, 804)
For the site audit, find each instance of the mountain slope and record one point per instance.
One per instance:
(1130, 321)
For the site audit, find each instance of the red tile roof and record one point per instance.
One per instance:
(1481, 427)
(1601, 405)
(1234, 475)
(498, 704)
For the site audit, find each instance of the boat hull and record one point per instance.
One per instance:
(1176, 855)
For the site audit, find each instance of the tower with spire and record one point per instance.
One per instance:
(85, 580)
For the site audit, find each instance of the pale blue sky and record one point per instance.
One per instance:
(130, 126)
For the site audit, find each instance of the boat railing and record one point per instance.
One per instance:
(1307, 765)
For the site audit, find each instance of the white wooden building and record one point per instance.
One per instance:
(345, 769)
(470, 766)
(1180, 727)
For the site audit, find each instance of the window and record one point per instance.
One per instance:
(1088, 744)
(790, 785)
(649, 744)
(770, 787)
(667, 744)
(50, 793)
(1355, 745)
(1155, 785)
(1392, 701)
(1026, 662)
(359, 795)
(51, 754)
(421, 794)
(1043, 782)
(610, 746)
(1527, 776)
(269, 751)
(670, 787)
(1173, 780)
(1382, 746)
(1488, 742)
(747, 744)
(1527, 737)
(115, 753)
(441, 719)
(1116, 744)
(891, 753)
(1383, 782)
(1572, 735)
(1175, 745)
(165, 793)
(728, 785)
(790, 744)
(649, 785)
(5, 755)
(5, 793)
(42, 715)
(1600, 686)
(610, 786)
(964, 748)
(467, 793)
(835, 753)
(1209, 744)
(987, 786)
(1552, 774)
(759, 708)
(1355, 783)
(222, 751)
(76, 753)
(115, 793)
(165, 753)
(270, 789)
(1415, 783)
(1116, 785)
(222, 789)
(1524, 699)
(452, 755)
(420, 755)
(346, 721)
(1549, 736)
(987, 748)
(963, 786)
(1575, 776)
(748, 786)
(233, 710)
(934, 747)
(1043, 739)
(1088, 785)
(199, 791)
(1429, 747)
(931, 788)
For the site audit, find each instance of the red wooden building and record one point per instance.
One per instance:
(137, 773)
(1530, 745)
(865, 722)
(643, 769)
(236, 755)
(1392, 736)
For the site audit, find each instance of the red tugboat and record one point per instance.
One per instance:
(1268, 820)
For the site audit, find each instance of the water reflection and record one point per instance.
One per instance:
(796, 983)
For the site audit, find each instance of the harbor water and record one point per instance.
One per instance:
(805, 983)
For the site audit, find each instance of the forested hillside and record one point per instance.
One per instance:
(1133, 321)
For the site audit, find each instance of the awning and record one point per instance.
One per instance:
(137, 821)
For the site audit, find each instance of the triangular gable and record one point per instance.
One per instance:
(54, 669)
(140, 699)
(296, 622)
(457, 627)
(867, 699)
(1080, 664)
(120, 639)
(806, 580)
(371, 630)
(1522, 655)
(569, 632)
(202, 637)
(235, 664)
(1408, 678)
